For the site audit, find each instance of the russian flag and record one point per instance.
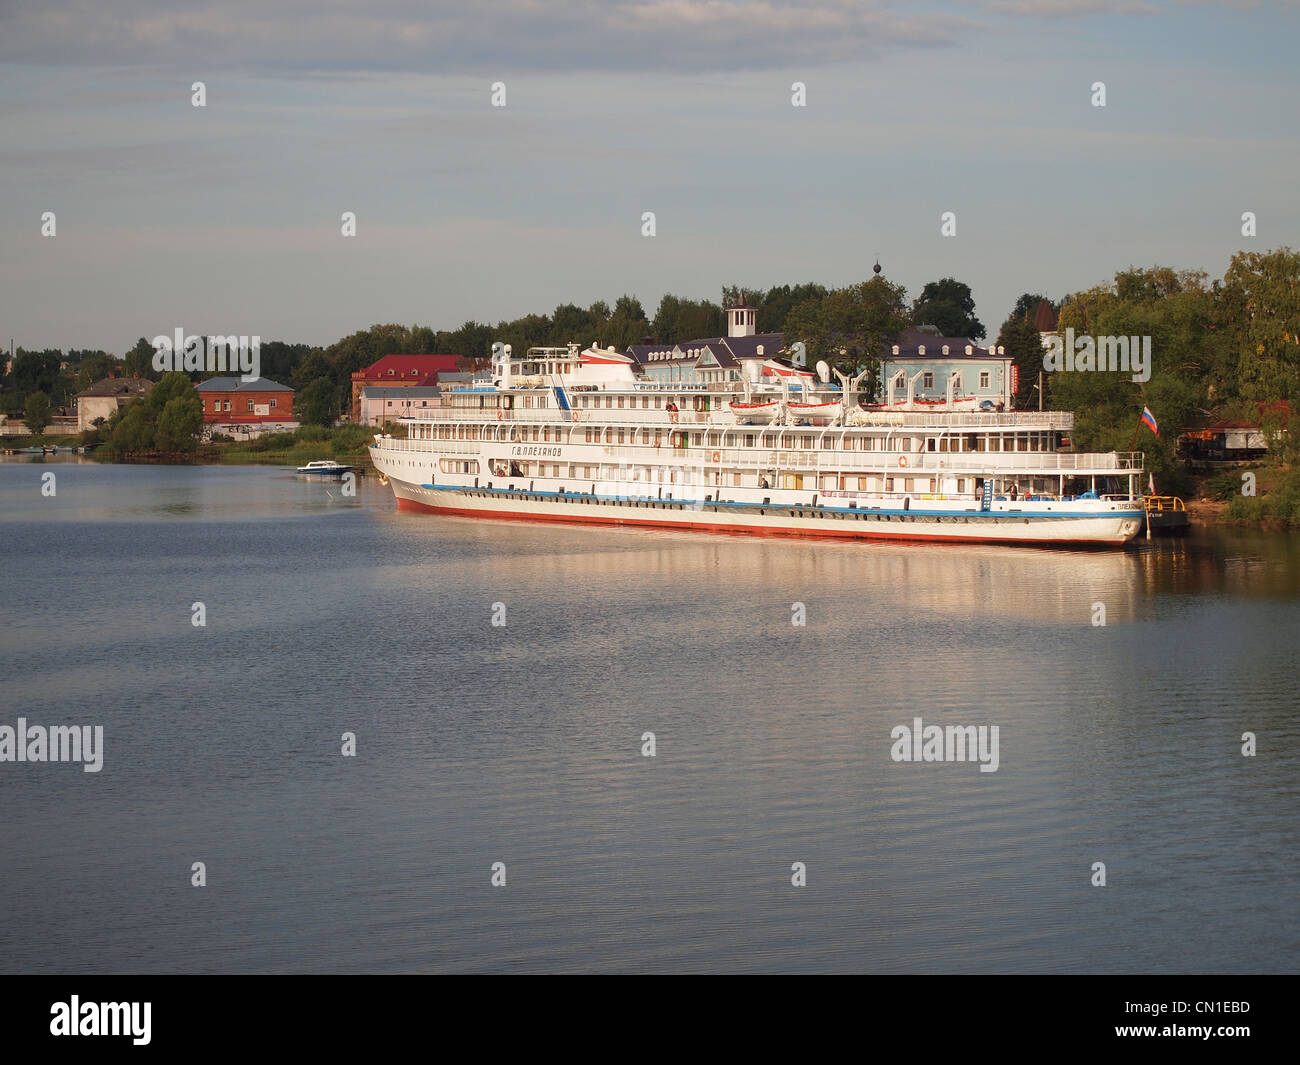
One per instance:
(1150, 420)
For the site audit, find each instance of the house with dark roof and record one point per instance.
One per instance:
(237, 407)
(928, 369)
(104, 397)
(709, 360)
(400, 371)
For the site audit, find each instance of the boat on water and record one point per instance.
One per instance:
(564, 435)
(325, 467)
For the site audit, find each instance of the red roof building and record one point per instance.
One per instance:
(401, 371)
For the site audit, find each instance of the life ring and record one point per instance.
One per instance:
(574, 413)
(672, 416)
(716, 456)
(902, 461)
(501, 415)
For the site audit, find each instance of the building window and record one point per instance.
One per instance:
(273, 401)
(984, 379)
(927, 379)
(250, 406)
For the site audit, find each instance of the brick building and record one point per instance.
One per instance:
(237, 407)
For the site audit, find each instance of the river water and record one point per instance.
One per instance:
(522, 743)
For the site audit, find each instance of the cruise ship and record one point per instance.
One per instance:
(764, 446)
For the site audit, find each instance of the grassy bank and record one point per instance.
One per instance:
(1221, 499)
(345, 443)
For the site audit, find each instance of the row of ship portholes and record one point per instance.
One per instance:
(658, 504)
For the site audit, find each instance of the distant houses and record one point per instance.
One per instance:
(105, 397)
(400, 371)
(235, 407)
(708, 360)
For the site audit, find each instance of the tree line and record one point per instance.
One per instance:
(1222, 348)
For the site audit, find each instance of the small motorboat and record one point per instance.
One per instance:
(325, 467)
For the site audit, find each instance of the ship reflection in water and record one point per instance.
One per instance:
(501, 680)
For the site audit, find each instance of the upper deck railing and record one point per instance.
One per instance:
(723, 419)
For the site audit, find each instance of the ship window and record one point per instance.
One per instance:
(735, 480)
(930, 444)
(620, 436)
(749, 439)
(645, 402)
(546, 432)
(848, 443)
(807, 441)
(862, 484)
(573, 471)
(659, 437)
(620, 401)
(908, 484)
(609, 401)
(589, 436)
(889, 484)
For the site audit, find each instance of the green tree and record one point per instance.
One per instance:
(948, 305)
(139, 361)
(849, 327)
(131, 429)
(681, 319)
(172, 385)
(1261, 297)
(36, 412)
(95, 367)
(34, 371)
(316, 404)
(1023, 344)
(179, 422)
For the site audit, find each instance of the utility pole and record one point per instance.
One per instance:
(1040, 391)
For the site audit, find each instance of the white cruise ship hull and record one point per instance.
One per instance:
(1112, 527)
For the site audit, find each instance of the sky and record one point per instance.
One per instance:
(227, 218)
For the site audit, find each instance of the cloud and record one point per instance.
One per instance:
(291, 36)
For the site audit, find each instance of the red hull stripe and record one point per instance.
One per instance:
(744, 530)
